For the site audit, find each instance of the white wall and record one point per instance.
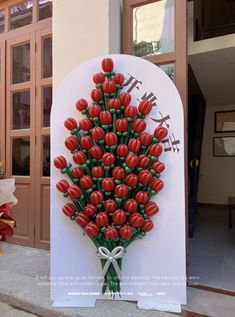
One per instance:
(217, 174)
(83, 29)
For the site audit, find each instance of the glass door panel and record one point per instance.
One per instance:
(21, 110)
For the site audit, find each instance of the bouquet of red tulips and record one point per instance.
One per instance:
(115, 171)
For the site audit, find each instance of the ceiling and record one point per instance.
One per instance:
(215, 73)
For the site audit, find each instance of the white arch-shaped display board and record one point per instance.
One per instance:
(153, 268)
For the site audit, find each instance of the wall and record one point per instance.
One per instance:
(82, 30)
(217, 174)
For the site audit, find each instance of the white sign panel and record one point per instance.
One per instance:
(154, 267)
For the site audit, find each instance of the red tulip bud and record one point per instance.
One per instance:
(125, 99)
(92, 229)
(81, 104)
(114, 104)
(145, 177)
(111, 233)
(94, 111)
(145, 107)
(158, 166)
(62, 185)
(160, 133)
(121, 190)
(97, 171)
(96, 197)
(145, 139)
(119, 78)
(86, 182)
(98, 78)
(79, 157)
(108, 159)
(157, 184)
(69, 209)
(131, 205)
(118, 172)
(111, 138)
(147, 225)
(89, 210)
(139, 125)
(77, 172)
(119, 217)
(142, 197)
(122, 150)
(85, 124)
(109, 86)
(136, 219)
(71, 143)
(70, 124)
(130, 112)
(97, 133)
(82, 219)
(96, 152)
(131, 180)
(74, 191)
(151, 208)
(102, 219)
(131, 160)
(60, 162)
(126, 232)
(143, 161)
(105, 117)
(134, 145)
(155, 150)
(108, 184)
(107, 64)
(110, 205)
(86, 142)
(96, 95)
(122, 125)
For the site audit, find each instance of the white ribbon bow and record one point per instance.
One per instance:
(111, 257)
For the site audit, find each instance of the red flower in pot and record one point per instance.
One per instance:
(81, 104)
(96, 95)
(122, 150)
(97, 171)
(107, 64)
(74, 192)
(119, 217)
(82, 219)
(121, 191)
(147, 225)
(118, 172)
(90, 210)
(131, 205)
(60, 162)
(157, 184)
(71, 143)
(97, 133)
(111, 233)
(70, 124)
(92, 229)
(98, 78)
(122, 125)
(105, 117)
(134, 145)
(86, 142)
(86, 182)
(111, 139)
(142, 197)
(94, 111)
(85, 124)
(158, 167)
(109, 86)
(77, 172)
(143, 161)
(96, 152)
(139, 125)
(145, 107)
(130, 112)
(119, 79)
(69, 209)
(151, 208)
(79, 157)
(160, 133)
(155, 150)
(145, 139)
(63, 186)
(126, 232)
(125, 99)
(101, 219)
(96, 197)
(136, 219)
(108, 184)
(110, 205)
(108, 159)
(131, 160)
(145, 177)
(131, 180)
(114, 104)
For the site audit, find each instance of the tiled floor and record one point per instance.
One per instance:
(212, 250)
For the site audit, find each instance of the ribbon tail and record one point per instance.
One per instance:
(105, 268)
(117, 269)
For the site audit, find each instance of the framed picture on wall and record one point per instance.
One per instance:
(224, 147)
(225, 121)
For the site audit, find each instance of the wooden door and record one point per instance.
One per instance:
(2, 108)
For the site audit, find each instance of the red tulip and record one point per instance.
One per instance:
(121, 190)
(74, 191)
(155, 150)
(89, 210)
(60, 162)
(96, 152)
(102, 219)
(136, 219)
(97, 171)
(82, 219)
(126, 232)
(145, 139)
(125, 99)
(145, 177)
(118, 172)
(151, 208)
(157, 184)
(105, 117)
(98, 78)
(119, 217)
(131, 160)
(62, 185)
(119, 79)
(130, 112)
(96, 95)
(139, 125)
(97, 133)
(81, 104)
(122, 150)
(94, 111)
(114, 104)
(111, 138)
(71, 143)
(86, 142)
(92, 229)
(111, 233)
(110, 205)
(108, 184)
(158, 166)
(122, 125)
(107, 64)
(77, 172)
(85, 124)
(160, 133)
(143, 161)
(108, 159)
(69, 209)
(79, 157)
(96, 197)
(145, 107)
(109, 86)
(131, 180)
(134, 145)
(147, 225)
(142, 197)
(131, 205)
(70, 124)
(86, 182)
